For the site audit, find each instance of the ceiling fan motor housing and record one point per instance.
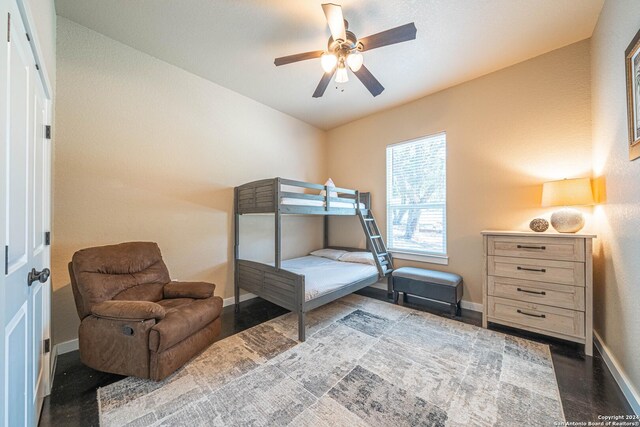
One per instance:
(343, 46)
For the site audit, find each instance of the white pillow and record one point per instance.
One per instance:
(333, 254)
(359, 257)
(329, 183)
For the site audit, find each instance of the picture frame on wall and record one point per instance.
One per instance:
(632, 66)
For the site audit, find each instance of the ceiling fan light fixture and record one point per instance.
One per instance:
(328, 62)
(341, 75)
(355, 61)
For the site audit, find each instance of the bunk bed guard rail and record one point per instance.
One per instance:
(276, 194)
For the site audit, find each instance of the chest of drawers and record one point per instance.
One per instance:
(540, 282)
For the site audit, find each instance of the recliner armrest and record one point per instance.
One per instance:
(197, 290)
(128, 310)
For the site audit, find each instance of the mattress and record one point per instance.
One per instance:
(323, 275)
(318, 203)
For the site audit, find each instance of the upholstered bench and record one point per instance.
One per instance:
(434, 285)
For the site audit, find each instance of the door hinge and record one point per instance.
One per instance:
(47, 131)
(6, 260)
(8, 27)
(47, 345)
(37, 67)
(47, 238)
(28, 38)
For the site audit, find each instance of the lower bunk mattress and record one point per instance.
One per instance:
(323, 275)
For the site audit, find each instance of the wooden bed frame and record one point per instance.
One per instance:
(271, 282)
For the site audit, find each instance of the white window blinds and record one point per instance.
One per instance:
(416, 196)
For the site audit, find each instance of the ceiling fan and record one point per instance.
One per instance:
(344, 50)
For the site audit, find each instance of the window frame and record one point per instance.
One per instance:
(406, 254)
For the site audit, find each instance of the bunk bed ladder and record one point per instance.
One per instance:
(376, 243)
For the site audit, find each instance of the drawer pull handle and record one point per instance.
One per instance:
(539, 248)
(532, 292)
(538, 270)
(541, 316)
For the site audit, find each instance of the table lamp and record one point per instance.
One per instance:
(567, 192)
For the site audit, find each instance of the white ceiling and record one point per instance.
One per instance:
(234, 42)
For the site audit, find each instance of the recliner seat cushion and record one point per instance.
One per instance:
(129, 310)
(182, 321)
(172, 303)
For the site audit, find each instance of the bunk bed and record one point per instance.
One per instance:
(299, 285)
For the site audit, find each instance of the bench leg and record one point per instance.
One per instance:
(396, 295)
(404, 297)
(390, 287)
(459, 309)
(301, 326)
(453, 308)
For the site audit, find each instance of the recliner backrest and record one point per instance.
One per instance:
(132, 271)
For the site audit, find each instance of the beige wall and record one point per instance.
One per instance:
(147, 151)
(617, 284)
(507, 132)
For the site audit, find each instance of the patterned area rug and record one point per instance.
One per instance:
(365, 363)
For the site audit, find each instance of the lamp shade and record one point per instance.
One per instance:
(567, 192)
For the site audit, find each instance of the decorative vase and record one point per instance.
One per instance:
(567, 220)
(539, 225)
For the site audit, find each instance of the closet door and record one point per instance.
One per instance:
(26, 177)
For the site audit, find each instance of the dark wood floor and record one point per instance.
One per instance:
(587, 388)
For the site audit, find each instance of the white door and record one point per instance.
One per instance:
(26, 177)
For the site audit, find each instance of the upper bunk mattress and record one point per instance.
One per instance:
(318, 203)
(323, 275)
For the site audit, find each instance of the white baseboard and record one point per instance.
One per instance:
(231, 300)
(66, 347)
(467, 305)
(628, 389)
(379, 285)
(473, 306)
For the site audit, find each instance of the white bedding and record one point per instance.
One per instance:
(322, 275)
(318, 203)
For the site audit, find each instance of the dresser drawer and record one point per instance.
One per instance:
(542, 317)
(560, 249)
(551, 294)
(563, 272)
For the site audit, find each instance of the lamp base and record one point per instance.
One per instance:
(567, 220)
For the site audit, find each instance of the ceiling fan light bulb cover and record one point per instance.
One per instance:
(341, 75)
(328, 62)
(355, 61)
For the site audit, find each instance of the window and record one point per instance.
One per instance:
(416, 196)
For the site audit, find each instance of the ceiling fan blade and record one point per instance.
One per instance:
(324, 82)
(370, 82)
(335, 20)
(399, 34)
(283, 60)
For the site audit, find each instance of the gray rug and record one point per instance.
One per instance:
(365, 363)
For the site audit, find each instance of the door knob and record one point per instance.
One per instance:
(40, 276)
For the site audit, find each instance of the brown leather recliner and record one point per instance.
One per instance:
(134, 319)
